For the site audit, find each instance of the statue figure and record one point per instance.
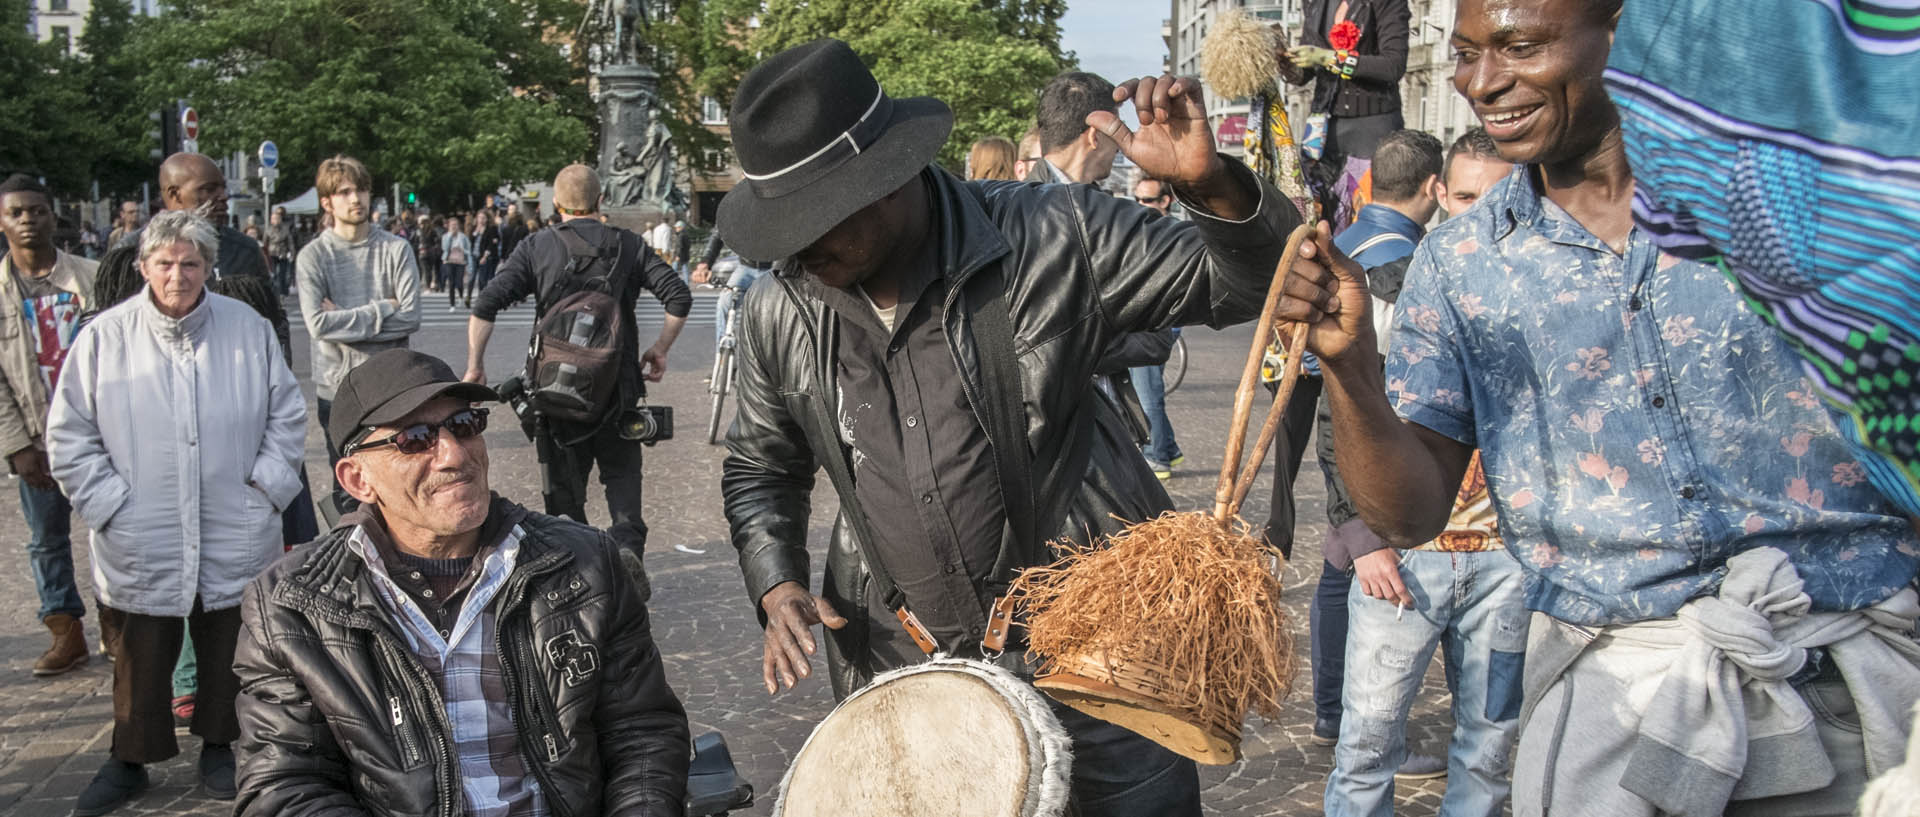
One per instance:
(612, 29)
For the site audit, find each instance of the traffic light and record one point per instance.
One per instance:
(412, 198)
(163, 134)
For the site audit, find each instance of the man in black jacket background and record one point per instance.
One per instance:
(931, 345)
(444, 647)
(541, 266)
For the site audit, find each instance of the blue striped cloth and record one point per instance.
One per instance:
(1780, 140)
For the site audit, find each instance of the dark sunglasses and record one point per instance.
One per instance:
(419, 439)
(1145, 199)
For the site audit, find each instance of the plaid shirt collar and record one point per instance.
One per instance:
(414, 624)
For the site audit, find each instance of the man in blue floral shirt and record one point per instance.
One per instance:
(1730, 598)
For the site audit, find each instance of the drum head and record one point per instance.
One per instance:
(935, 739)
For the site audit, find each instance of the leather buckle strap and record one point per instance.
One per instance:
(999, 626)
(921, 637)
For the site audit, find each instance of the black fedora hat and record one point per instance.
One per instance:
(818, 139)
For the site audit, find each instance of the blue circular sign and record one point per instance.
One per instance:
(269, 154)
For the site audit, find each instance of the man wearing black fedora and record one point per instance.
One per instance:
(930, 344)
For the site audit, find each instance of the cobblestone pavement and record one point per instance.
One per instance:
(54, 733)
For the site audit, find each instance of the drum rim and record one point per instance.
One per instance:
(1050, 755)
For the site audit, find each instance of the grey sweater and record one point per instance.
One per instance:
(375, 289)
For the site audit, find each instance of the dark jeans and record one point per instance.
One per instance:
(144, 650)
(298, 525)
(342, 501)
(1327, 626)
(564, 470)
(1289, 446)
(50, 550)
(450, 277)
(482, 273)
(282, 275)
(1118, 773)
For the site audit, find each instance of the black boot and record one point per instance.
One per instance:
(216, 771)
(115, 784)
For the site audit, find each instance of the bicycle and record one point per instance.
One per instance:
(1175, 369)
(721, 378)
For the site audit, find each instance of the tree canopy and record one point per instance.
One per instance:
(986, 58)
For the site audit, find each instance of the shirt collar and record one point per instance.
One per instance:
(1519, 202)
(1391, 220)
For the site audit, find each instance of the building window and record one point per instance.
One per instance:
(58, 6)
(61, 35)
(711, 111)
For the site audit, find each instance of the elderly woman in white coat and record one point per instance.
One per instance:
(177, 430)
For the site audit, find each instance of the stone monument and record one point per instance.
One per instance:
(636, 150)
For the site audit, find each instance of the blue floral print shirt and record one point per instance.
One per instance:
(1638, 422)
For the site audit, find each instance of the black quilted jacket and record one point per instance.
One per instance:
(322, 672)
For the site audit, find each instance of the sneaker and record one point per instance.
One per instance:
(1325, 732)
(1161, 471)
(183, 711)
(1178, 460)
(115, 784)
(1421, 767)
(216, 771)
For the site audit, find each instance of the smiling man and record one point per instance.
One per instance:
(444, 650)
(1726, 604)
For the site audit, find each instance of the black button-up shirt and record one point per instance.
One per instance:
(923, 469)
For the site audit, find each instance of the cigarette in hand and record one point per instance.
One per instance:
(1399, 610)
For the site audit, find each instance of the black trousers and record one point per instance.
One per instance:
(144, 651)
(1289, 447)
(564, 470)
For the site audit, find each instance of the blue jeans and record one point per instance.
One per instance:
(1327, 630)
(743, 277)
(1117, 773)
(1471, 606)
(50, 550)
(1152, 389)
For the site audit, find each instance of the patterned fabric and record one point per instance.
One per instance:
(1270, 151)
(1811, 207)
(1473, 527)
(494, 776)
(1637, 424)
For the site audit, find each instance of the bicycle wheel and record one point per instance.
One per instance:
(722, 378)
(1176, 368)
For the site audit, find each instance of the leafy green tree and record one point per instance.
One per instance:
(986, 58)
(118, 144)
(45, 128)
(448, 97)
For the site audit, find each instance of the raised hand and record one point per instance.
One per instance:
(1174, 142)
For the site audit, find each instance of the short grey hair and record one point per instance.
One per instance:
(175, 226)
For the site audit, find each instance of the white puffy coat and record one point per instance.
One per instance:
(179, 443)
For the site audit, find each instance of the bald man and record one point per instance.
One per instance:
(544, 265)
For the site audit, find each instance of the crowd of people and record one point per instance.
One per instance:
(1556, 448)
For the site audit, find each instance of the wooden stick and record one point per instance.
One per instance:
(1250, 377)
(1289, 378)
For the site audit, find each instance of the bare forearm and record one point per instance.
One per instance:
(1402, 478)
(669, 332)
(479, 332)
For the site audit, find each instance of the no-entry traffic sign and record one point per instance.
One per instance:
(189, 123)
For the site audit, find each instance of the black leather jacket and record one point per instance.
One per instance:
(1082, 268)
(323, 672)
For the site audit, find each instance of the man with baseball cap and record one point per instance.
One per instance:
(444, 645)
(930, 344)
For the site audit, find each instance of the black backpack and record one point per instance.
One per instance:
(573, 360)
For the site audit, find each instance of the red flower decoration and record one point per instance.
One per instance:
(1345, 36)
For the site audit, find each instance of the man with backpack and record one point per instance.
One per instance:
(586, 373)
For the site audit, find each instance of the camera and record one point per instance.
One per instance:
(646, 424)
(513, 392)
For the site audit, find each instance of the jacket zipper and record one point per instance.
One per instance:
(407, 744)
(448, 779)
(524, 714)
